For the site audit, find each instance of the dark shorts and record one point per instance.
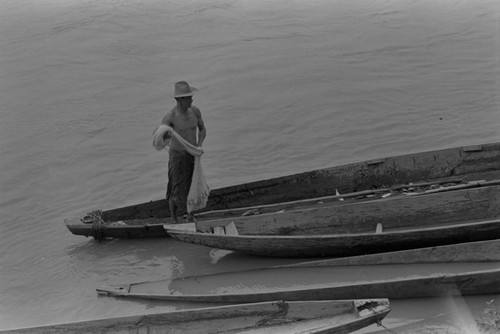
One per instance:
(180, 174)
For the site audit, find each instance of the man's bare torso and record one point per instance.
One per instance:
(184, 123)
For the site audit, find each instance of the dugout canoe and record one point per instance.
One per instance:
(377, 226)
(341, 245)
(309, 317)
(322, 282)
(361, 179)
(467, 252)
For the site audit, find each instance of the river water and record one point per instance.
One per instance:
(285, 87)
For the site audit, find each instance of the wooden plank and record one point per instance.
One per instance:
(471, 184)
(219, 230)
(231, 229)
(182, 226)
(473, 148)
(375, 161)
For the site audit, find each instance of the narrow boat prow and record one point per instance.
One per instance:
(113, 291)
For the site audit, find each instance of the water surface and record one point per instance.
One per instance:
(284, 86)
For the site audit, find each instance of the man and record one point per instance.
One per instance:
(185, 119)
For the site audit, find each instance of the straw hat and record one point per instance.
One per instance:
(182, 89)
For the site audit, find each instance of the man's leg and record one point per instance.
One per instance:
(173, 211)
(190, 218)
(173, 167)
(180, 174)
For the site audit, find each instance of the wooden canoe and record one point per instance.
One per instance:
(376, 226)
(342, 316)
(360, 179)
(467, 252)
(316, 283)
(340, 245)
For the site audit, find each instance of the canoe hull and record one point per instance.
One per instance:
(475, 162)
(473, 252)
(340, 245)
(483, 282)
(280, 317)
(393, 212)
(120, 232)
(468, 163)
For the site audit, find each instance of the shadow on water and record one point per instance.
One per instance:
(193, 258)
(230, 261)
(116, 262)
(143, 258)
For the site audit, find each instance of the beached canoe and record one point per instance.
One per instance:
(375, 177)
(342, 316)
(322, 282)
(383, 225)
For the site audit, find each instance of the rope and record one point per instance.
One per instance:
(98, 225)
(379, 323)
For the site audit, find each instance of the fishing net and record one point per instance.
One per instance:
(99, 226)
(199, 190)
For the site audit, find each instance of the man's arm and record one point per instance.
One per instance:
(202, 131)
(167, 120)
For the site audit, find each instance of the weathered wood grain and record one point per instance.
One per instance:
(369, 177)
(479, 251)
(343, 316)
(215, 288)
(393, 213)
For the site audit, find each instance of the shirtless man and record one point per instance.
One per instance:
(185, 119)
